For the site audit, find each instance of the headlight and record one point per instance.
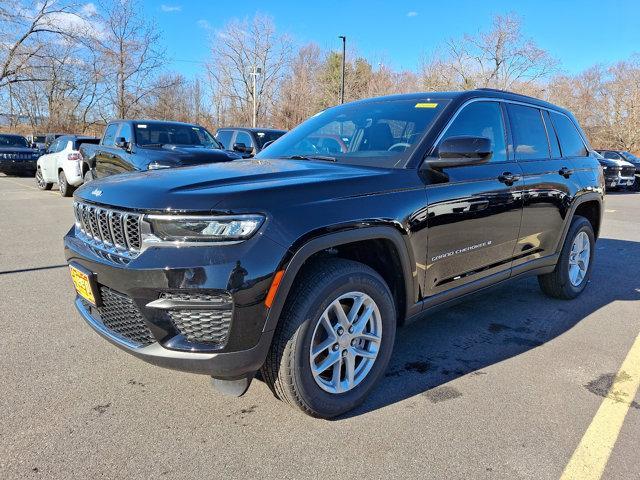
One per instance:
(204, 229)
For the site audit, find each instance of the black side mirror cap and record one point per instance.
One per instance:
(122, 143)
(241, 147)
(461, 150)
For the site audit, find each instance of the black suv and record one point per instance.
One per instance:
(619, 161)
(129, 145)
(17, 155)
(302, 264)
(247, 141)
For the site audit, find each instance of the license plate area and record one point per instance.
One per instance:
(85, 284)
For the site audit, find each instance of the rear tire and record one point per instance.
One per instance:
(65, 189)
(319, 291)
(569, 278)
(42, 185)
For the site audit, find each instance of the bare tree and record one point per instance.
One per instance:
(238, 49)
(130, 54)
(501, 58)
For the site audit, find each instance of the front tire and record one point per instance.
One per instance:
(573, 270)
(65, 189)
(334, 338)
(40, 182)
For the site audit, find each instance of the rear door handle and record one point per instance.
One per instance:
(509, 178)
(565, 172)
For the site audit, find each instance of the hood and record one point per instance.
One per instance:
(17, 150)
(183, 155)
(610, 162)
(242, 184)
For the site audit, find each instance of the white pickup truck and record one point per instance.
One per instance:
(62, 164)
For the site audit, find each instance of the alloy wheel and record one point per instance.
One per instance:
(345, 342)
(579, 258)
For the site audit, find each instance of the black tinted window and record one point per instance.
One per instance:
(109, 137)
(13, 141)
(80, 141)
(529, 134)
(264, 137)
(570, 140)
(612, 155)
(481, 119)
(224, 137)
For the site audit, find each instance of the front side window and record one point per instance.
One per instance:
(244, 138)
(126, 132)
(529, 134)
(571, 142)
(109, 137)
(380, 133)
(481, 119)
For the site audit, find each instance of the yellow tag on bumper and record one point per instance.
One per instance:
(82, 284)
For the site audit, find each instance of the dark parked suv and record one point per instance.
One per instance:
(620, 167)
(247, 141)
(302, 262)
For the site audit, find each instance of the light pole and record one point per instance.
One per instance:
(256, 71)
(344, 49)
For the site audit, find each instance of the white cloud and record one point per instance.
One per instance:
(202, 23)
(412, 14)
(170, 8)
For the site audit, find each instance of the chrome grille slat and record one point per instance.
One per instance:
(114, 231)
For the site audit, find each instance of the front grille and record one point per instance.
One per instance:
(113, 230)
(120, 315)
(628, 171)
(207, 324)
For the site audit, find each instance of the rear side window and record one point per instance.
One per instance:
(552, 134)
(109, 137)
(529, 135)
(224, 137)
(570, 140)
(481, 119)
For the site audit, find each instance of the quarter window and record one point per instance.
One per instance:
(481, 119)
(529, 135)
(570, 140)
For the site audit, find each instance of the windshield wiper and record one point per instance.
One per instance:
(312, 157)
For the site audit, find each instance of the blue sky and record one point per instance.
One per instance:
(397, 33)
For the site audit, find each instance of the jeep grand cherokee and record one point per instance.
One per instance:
(301, 262)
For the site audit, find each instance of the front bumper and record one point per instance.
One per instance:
(18, 166)
(242, 272)
(618, 180)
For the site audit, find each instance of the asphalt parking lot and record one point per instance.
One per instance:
(502, 385)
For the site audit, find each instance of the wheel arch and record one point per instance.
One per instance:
(340, 241)
(588, 205)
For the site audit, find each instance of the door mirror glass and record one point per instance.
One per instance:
(461, 150)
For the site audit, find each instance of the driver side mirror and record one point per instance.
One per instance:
(242, 148)
(462, 150)
(122, 143)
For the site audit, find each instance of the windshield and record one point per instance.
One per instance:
(264, 137)
(39, 139)
(377, 133)
(13, 141)
(159, 134)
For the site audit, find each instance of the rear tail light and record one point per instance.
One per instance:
(74, 156)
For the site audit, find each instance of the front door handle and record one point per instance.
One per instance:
(509, 178)
(565, 172)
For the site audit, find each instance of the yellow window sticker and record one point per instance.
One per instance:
(426, 105)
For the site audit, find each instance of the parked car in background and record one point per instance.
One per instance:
(629, 157)
(129, 145)
(618, 172)
(62, 164)
(17, 157)
(247, 141)
(302, 264)
(49, 138)
(37, 141)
